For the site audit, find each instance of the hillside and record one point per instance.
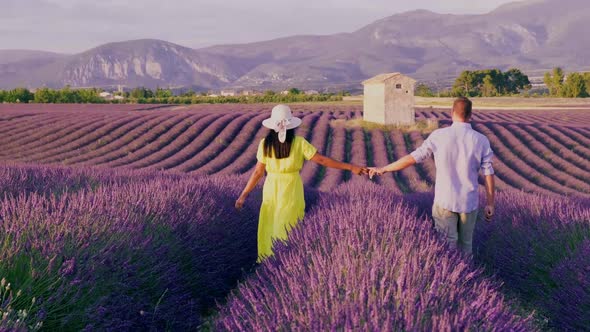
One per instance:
(533, 35)
(11, 56)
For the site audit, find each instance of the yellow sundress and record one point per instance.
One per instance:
(283, 203)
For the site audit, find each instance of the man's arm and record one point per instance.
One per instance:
(490, 184)
(400, 164)
(416, 157)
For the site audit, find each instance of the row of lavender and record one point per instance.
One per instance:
(104, 249)
(559, 116)
(533, 157)
(100, 250)
(135, 253)
(368, 259)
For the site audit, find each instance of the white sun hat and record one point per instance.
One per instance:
(282, 120)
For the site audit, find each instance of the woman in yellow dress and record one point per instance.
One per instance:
(282, 154)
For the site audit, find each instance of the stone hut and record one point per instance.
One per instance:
(389, 99)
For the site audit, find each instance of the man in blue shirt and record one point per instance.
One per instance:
(459, 153)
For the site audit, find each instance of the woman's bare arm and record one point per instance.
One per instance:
(252, 182)
(329, 162)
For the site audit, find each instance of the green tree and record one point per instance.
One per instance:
(423, 90)
(465, 84)
(294, 91)
(189, 93)
(19, 95)
(490, 82)
(574, 86)
(142, 93)
(496, 80)
(515, 80)
(554, 81)
(45, 96)
(547, 79)
(68, 96)
(488, 88)
(163, 93)
(587, 81)
(90, 96)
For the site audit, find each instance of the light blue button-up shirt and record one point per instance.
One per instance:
(459, 153)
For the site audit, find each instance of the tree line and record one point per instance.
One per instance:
(162, 96)
(46, 95)
(496, 83)
(482, 83)
(477, 83)
(142, 95)
(574, 85)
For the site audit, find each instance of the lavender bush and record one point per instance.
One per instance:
(65, 140)
(363, 261)
(101, 144)
(120, 146)
(157, 142)
(178, 144)
(16, 309)
(104, 249)
(204, 138)
(557, 180)
(558, 148)
(333, 177)
(142, 142)
(398, 149)
(219, 140)
(139, 253)
(85, 143)
(312, 173)
(235, 146)
(118, 249)
(535, 246)
(40, 135)
(569, 304)
(556, 160)
(570, 139)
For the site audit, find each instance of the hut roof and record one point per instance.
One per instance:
(382, 78)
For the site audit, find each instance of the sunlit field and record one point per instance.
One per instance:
(121, 217)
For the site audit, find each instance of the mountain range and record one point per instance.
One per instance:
(533, 35)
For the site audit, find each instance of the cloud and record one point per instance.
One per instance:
(27, 8)
(76, 25)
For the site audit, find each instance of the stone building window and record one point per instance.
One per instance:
(398, 86)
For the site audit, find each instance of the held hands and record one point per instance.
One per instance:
(358, 170)
(376, 171)
(370, 171)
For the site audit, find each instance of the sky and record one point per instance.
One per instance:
(71, 26)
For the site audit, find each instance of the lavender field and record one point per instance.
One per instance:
(122, 218)
(540, 151)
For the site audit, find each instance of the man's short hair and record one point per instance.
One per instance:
(462, 107)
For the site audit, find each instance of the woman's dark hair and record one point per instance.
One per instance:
(272, 144)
